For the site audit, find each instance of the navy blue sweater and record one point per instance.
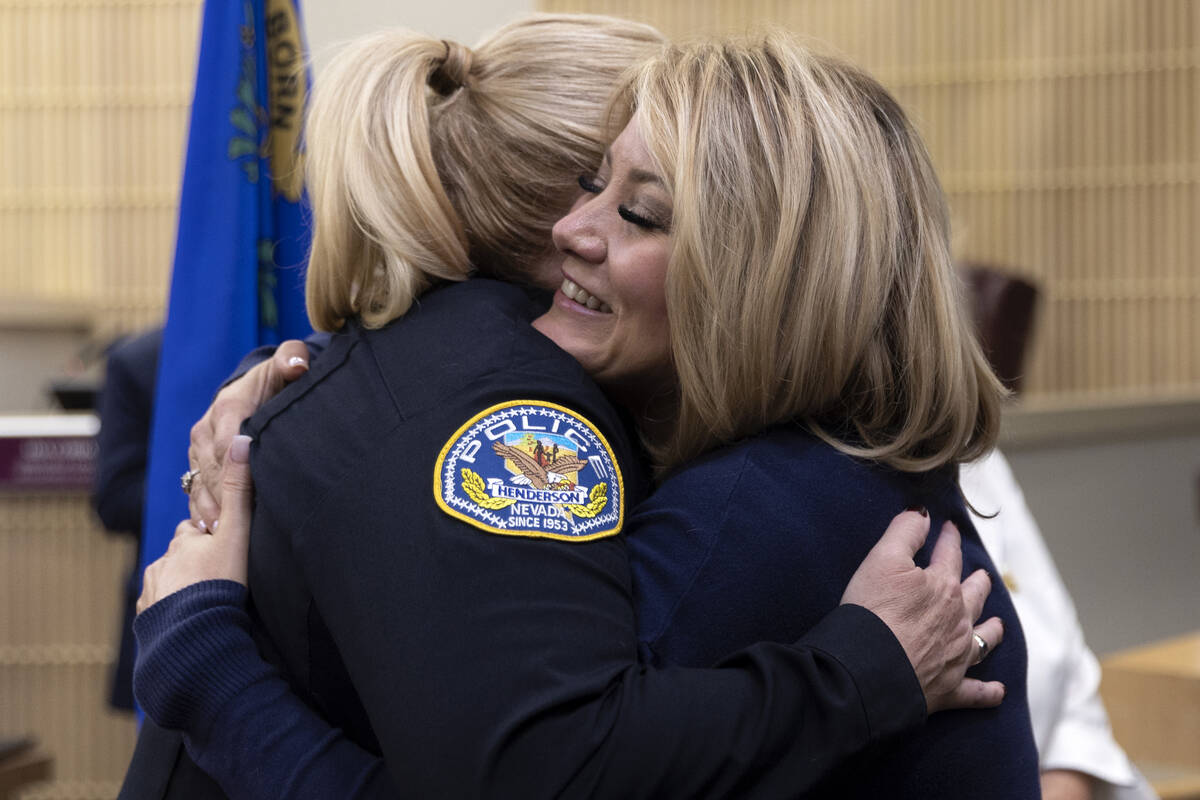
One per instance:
(756, 542)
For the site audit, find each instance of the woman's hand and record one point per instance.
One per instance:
(931, 611)
(222, 552)
(223, 419)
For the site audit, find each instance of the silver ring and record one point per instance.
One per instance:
(187, 479)
(983, 646)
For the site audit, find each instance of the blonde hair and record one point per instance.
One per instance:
(427, 160)
(811, 277)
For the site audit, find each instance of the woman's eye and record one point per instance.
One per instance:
(637, 219)
(590, 184)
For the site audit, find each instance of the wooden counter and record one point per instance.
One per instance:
(1153, 698)
(61, 580)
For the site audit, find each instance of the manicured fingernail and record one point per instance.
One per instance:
(297, 361)
(919, 509)
(216, 523)
(239, 449)
(202, 525)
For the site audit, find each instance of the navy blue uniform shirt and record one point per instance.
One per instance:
(485, 665)
(757, 541)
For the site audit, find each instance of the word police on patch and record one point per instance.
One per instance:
(531, 468)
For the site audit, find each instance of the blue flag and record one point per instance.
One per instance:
(243, 235)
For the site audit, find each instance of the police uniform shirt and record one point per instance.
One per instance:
(481, 659)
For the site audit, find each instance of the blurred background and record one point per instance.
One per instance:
(1066, 133)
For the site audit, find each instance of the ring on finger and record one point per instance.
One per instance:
(983, 647)
(187, 479)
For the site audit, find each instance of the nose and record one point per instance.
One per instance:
(577, 234)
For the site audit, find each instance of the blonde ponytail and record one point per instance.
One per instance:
(385, 226)
(428, 160)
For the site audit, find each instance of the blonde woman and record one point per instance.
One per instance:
(478, 633)
(819, 367)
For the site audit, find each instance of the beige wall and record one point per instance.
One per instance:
(1121, 517)
(87, 220)
(330, 21)
(1067, 138)
(94, 98)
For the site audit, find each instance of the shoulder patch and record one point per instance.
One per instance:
(534, 469)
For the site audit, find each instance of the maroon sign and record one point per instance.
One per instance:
(47, 462)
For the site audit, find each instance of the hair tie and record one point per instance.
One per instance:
(452, 71)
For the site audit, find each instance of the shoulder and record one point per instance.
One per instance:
(140, 347)
(787, 490)
(463, 333)
(474, 303)
(753, 541)
(134, 360)
(475, 311)
(784, 456)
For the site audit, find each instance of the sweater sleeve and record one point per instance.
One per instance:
(199, 671)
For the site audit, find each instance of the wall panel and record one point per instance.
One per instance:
(93, 111)
(60, 604)
(1066, 135)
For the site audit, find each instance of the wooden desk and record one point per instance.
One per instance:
(1173, 784)
(1153, 699)
(23, 769)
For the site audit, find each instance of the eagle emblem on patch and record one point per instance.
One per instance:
(531, 468)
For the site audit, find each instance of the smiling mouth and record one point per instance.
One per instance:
(577, 293)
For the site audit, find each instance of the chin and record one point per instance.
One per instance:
(554, 327)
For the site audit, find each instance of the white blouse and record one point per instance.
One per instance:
(1070, 724)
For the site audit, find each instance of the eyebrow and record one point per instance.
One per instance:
(637, 175)
(643, 176)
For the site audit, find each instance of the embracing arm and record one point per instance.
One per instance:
(841, 686)
(259, 377)
(245, 727)
(508, 665)
(199, 672)
(586, 720)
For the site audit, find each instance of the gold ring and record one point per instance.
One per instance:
(187, 479)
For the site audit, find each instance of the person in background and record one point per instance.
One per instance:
(124, 406)
(1080, 760)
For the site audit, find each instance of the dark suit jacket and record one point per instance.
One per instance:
(125, 406)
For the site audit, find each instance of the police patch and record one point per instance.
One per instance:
(531, 468)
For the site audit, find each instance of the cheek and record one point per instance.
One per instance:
(654, 283)
(654, 328)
